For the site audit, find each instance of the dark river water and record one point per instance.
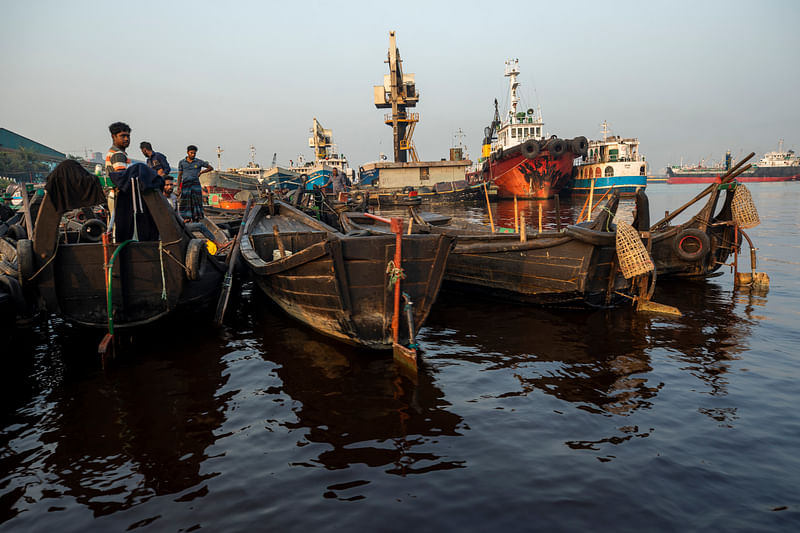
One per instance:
(520, 418)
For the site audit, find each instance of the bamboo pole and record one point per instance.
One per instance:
(523, 232)
(591, 198)
(488, 205)
(516, 215)
(540, 218)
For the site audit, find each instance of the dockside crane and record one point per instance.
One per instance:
(398, 92)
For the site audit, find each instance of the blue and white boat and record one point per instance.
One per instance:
(318, 171)
(611, 164)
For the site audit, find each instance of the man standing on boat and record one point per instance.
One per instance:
(338, 182)
(116, 157)
(190, 191)
(155, 160)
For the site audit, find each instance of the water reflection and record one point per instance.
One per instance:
(599, 361)
(356, 401)
(112, 439)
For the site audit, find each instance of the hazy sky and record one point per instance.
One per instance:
(690, 79)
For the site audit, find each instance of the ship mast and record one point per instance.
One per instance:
(512, 71)
(398, 92)
(219, 157)
(605, 131)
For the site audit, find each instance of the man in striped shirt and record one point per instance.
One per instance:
(116, 157)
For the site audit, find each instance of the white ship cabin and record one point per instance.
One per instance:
(518, 126)
(614, 149)
(780, 158)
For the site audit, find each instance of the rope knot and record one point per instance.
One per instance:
(395, 273)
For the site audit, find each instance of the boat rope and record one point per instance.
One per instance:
(108, 295)
(395, 273)
(611, 216)
(169, 254)
(50, 260)
(163, 281)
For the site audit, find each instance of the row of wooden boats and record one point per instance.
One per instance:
(351, 275)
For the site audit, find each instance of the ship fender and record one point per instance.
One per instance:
(194, 254)
(13, 288)
(579, 146)
(17, 232)
(26, 261)
(691, 244)
(500, 154)
(530, 149)
(556, 147)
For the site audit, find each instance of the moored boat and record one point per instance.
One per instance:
(156, 265)
(779, 165)
(576, 266)
(339, 284)
(613, 163)
(519, 158)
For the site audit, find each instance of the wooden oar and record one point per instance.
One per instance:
(233, 258)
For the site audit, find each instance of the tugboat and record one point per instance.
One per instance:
(519, 159)
(612, 164)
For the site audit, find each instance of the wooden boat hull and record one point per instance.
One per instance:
(150, 279)
(699, 247)
(338, 284)
(558, 271)
(574, 267)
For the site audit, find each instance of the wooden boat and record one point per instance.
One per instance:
(700, 246)
(575, 266)
(336, 283)
(149, 278)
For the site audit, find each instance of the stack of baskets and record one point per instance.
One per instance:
(743, 209)
(633, 257)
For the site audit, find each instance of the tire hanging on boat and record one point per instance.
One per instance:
(556, 147)
(194, 253)
(530, 149)
(579, 146)
(26, 262)
(691, 244)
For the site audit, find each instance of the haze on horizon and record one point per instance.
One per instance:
(689, 79)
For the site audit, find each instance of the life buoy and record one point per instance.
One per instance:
(530, 148)
(691, 244)
(556, 147)
(26, 260)
(194, 253)
(579, 146)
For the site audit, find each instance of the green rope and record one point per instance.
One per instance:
(611, 215)
(163, 281)
(395, 273)
(110, 270)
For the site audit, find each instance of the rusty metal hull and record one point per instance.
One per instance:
(339, 284)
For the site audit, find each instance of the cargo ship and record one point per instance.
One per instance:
(517, 156)
(779, 165)
(613, 163)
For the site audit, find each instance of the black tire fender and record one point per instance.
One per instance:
(92, 230)
(556, 147)
(499, 154)
(691, 244)
(17, 232)
(195, 251)
(26, 261)
(579, 146)
(15, 291)
(530, 148)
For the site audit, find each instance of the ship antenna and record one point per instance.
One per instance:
(512, 70)
(252, 156)
(219, 157)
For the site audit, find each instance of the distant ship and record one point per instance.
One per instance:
(519, 158)
(318, 171)
(612, 164)
(774, 166)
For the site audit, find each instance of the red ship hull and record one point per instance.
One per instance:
(537, 178)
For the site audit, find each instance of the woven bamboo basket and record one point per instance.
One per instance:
(743, 209)
(633, 257)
